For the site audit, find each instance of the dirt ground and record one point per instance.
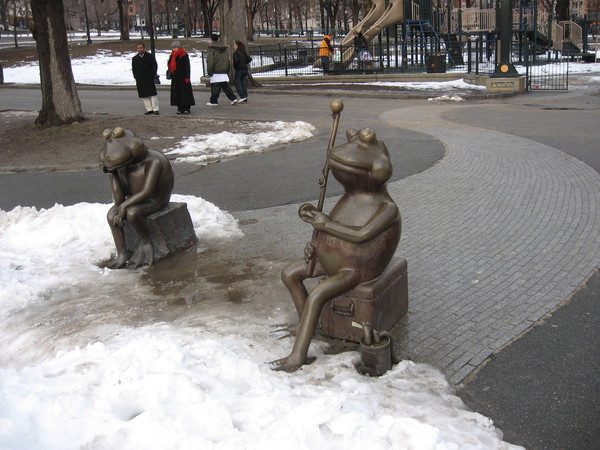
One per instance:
(24, 145)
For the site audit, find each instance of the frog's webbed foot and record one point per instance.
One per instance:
(117, 262)
(143, 255)
(291, 363)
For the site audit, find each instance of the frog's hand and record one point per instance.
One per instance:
(307, 212)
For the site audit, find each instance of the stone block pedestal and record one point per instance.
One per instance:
(171, 230)
(381, 302)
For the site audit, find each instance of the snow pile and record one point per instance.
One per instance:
(204, 149)
(159, 387)
(426, 85)
(39, 250)
(447, 98)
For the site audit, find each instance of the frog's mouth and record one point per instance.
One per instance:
(356, 167)
(107, 167)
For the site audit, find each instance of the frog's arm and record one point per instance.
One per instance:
(117, 189)
(151, 175)
(385, 215)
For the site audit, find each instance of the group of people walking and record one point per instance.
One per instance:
(145, 72)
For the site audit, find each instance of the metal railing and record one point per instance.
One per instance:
(466, 20)
(546, 70)
(566, 31)
(410, 56)
(540, 18)
(557, 32)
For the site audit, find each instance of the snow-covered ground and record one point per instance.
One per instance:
(116, 70)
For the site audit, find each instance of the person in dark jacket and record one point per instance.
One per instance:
(361, 48)
(217, 66)
(144, 67)
(241, 60)
(181, 85)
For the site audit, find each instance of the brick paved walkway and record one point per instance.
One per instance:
(497, 234)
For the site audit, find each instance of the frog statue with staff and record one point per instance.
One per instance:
(351, 245)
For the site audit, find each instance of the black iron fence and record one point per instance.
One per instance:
(475, 55)
(546, 70)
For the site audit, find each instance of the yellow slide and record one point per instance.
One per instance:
(376, 20)
(373, 16)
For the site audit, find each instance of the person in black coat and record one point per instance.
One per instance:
(144, 67)
(241, 60)
(181, 85)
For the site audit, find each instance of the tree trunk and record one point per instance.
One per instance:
(60, 101)
(207, 17)
(234, 22)
(123, 20)
(250, 25)
(15, 23)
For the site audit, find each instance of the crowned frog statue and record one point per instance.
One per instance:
(352, 244)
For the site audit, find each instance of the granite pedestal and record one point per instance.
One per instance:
(171, 230)
(381, 302)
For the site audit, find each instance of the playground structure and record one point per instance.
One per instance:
(416, 36)
(435, 29)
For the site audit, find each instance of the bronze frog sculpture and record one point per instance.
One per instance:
(352, 244)
(142, 180)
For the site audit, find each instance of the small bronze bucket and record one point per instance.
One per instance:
(376, 353)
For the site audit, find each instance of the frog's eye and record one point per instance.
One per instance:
(106, 134)
(368, 136)
(119, 132)
(352, 133)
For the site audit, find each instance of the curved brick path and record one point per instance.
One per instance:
(498, 234)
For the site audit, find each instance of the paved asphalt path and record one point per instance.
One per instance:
(288, 174)
(542, 390)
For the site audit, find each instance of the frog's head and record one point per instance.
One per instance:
(122, 148)
(363, 163)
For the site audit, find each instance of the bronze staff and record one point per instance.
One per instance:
(336, 108)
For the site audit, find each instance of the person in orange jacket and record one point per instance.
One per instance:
(325, 52)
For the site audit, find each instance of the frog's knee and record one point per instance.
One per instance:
(294, 272)
(112, 212)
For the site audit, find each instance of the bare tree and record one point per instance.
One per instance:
(60, 101)
(331, 9)
(195, 14)
(355, 7)
(297, 9)
(209, 9)
(20, 12)
(253, 7)
(3, 13)
(102, 11)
